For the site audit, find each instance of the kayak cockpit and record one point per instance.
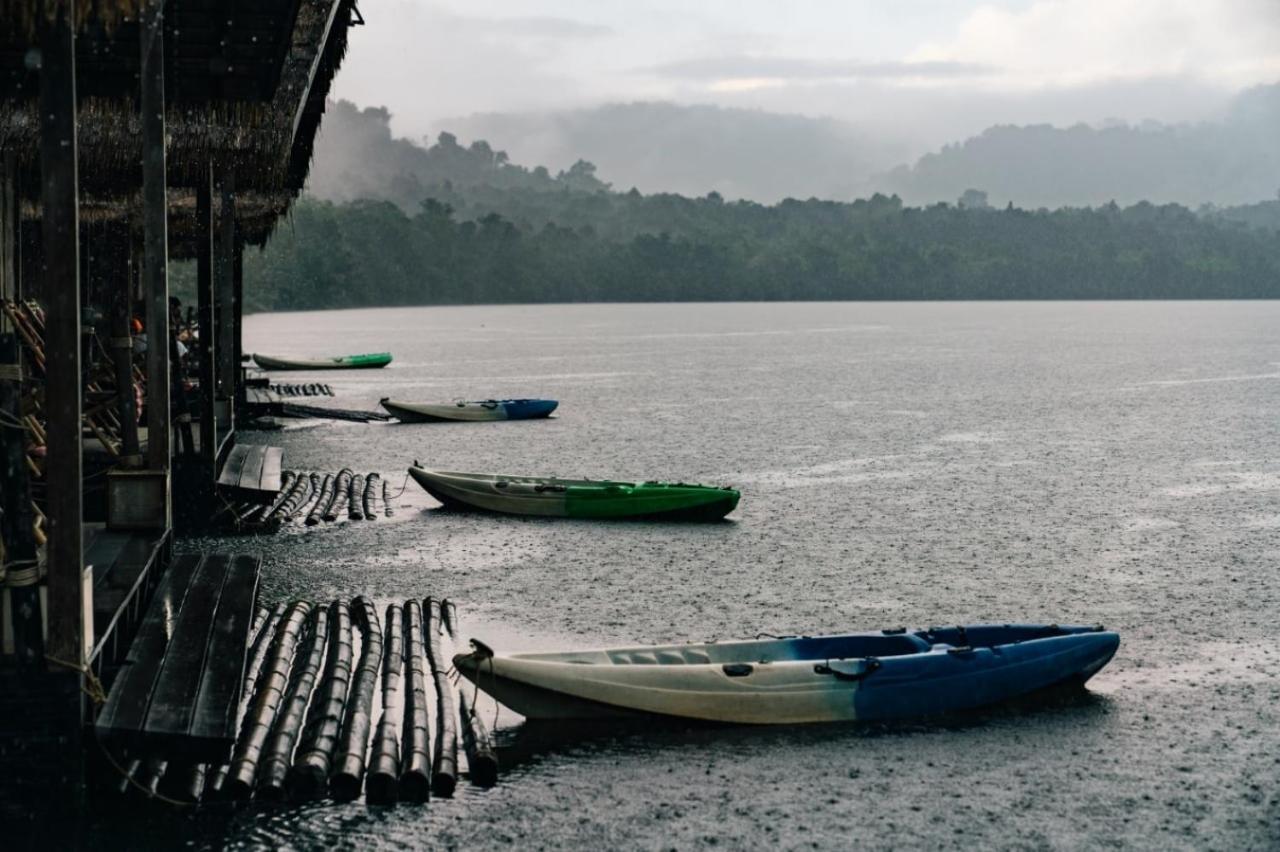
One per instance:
(885, 643)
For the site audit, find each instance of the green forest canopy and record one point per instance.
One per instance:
(484, 230)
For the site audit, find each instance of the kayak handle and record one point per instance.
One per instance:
(870, 664)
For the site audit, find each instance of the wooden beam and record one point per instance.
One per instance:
(237, 337)
(120, 281)
(155, 229)
(207, 348)
(61, 290)
(224, 243)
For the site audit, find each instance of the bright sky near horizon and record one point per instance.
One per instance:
(925, 71)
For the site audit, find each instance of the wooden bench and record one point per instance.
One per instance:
(252, 471)
(179, 688)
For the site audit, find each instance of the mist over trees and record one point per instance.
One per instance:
(766, 157)
(1236, 161)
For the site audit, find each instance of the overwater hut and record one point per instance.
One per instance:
(132, 133)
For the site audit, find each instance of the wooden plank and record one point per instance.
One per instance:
(272, 467)
(213, 722)
(61, 294)
(251, 473)
(123, 715)
(173, 701)
(234, 466)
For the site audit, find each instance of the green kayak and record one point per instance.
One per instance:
(370, 361)
(576, 498)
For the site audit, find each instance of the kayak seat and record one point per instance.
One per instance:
(686, 657)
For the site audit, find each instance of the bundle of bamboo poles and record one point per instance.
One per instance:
(316, 498)
(302, 662)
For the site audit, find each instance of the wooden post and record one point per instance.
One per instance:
(61, 288)
(155, 229)
(238, 334)
(119, 279)
(224, 242)
(208, 333)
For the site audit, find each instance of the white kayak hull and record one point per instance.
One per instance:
(871, 676)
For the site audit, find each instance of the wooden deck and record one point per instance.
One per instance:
(252, 471)
(177, 693)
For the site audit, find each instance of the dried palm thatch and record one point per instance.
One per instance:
(23, 16)
(266, 146)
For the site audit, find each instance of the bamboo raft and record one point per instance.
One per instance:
(317, 675)
(314, 498)
(303, 390)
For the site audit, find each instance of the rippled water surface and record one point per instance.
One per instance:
(900, 464)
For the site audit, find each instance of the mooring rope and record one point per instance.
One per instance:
(91, 687)
(124, 773)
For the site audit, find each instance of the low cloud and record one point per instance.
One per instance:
(780, 68)
(542, 27)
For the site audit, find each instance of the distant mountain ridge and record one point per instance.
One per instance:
(766, 157)
(1236, 161)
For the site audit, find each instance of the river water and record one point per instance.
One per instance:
(900, 464)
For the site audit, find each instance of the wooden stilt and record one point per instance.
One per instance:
(60, 210)
(121, 346)
(155, 227)
(207, 344)
(224, 249)
(69, 599)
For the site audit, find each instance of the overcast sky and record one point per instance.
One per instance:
(921, 72)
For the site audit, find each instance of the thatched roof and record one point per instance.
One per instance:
(267, 145)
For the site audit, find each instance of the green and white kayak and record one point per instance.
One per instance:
(576, 498)
(371, 361)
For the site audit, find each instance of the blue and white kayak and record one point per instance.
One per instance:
(891, 674)
(480, 410)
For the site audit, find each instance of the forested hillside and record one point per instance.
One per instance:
(1235, 161)
(630, 247)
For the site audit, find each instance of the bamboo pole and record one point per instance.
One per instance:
(309, 776)
(477, 742)
(278, 753)
(354, 497)
(415, 772)
(444, 767)
(381, 784)
(348, 777)
(371, 497)
(252, 672)
(340, 488)
(293, 504)
(322, 502)
(266, 703)
(287, 480)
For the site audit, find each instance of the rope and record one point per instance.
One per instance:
(27, 576)
(91, 687)
(124, 773)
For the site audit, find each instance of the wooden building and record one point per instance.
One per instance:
(132, 133)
